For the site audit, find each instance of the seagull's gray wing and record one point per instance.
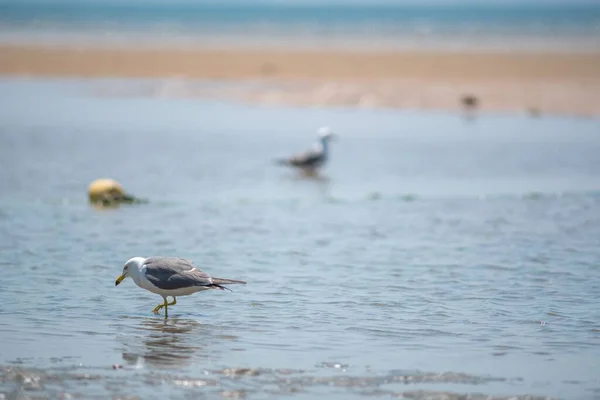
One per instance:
(169, 273)
(306, 159)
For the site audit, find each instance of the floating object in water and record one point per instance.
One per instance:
(311, 160)
(169, 276)
(108, 192)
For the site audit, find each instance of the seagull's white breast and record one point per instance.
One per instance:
(146, 284)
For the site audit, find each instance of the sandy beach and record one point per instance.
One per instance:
(546, 83)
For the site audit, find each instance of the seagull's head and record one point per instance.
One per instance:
(325, 133)
(131, 269)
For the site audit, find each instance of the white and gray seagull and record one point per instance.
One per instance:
(169, 276)
(311, 160)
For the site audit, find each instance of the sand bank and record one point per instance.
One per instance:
(550, 83)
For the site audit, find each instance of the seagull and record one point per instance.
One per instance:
(309, 161)
(170, 276)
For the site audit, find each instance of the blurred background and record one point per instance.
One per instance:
(410, 189)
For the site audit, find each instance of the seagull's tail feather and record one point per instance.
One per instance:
(219, 282)
(218, 287)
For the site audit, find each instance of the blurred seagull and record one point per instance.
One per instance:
(309, 161)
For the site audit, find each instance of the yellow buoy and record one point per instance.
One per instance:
(108, 192)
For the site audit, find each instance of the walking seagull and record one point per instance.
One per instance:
(168, 276)
(309, 161)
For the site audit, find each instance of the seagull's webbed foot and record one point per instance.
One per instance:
(164, 305)
(158, 308)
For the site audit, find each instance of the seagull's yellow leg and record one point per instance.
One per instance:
(158, 307)
(169, 304)
(165, 306)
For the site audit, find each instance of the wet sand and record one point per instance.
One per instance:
(558, 83)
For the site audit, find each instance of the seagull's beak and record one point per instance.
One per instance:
(119, 280)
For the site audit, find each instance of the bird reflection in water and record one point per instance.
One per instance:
(312, 175)
(321, 183)
(173, 343)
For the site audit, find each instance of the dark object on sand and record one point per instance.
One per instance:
(268, 68)
(469, 101)
(534, 112)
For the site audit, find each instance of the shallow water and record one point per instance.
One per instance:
(435, 257)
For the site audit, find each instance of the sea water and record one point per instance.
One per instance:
(433, 257)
